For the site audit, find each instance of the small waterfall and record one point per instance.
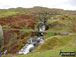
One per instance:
(32, 43)
(42, 28)
(26, 49)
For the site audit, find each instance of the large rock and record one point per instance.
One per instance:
(1, 35)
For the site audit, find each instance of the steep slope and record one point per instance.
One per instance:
(13, 26)
(52, 46)
(18, 21)
(56, 42)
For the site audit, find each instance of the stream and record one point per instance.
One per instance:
(33, 42)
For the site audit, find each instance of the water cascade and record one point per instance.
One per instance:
(42, 28)
(34, 41)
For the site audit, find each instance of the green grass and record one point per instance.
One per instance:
(55, 42)
(48, 53)
(51, 47)
(60, 25)
(5, 13)
(49, 34)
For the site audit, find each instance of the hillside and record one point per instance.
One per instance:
(12, 25)
(18, 21)
(19, 24)
(39, 9)
(57, 41)
(51, 47)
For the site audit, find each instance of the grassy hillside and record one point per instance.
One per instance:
(20, 24)
(49, 53)
(53, 41)
(16, 29)
(62, 23)
(41, 9)
(51, 47)
(56, 42)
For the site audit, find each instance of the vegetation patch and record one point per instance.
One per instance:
(55, 42)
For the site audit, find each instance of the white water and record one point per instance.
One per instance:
(26, 49)
(31, 45)
(33, 42)
(42, 28)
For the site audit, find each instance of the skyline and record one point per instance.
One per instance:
(60, 4)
